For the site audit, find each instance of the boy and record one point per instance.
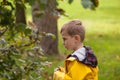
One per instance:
(82, 63)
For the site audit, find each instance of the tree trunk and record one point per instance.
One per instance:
(20, 13)
(47, 23)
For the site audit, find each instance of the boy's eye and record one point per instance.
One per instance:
(64, 39)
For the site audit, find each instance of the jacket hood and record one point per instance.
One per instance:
(86, 56)
(90, 57)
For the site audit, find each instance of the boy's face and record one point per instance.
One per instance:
(68, 41)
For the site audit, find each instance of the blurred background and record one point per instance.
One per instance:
(31, 44)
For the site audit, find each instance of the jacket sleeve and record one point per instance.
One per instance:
(59, 74)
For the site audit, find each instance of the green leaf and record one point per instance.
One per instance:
(95, 2)
(89, 4)
(5, 16)
(3, 42)
(31, 54)
(20, 27)
(51, 35)
(70, 1)
(27, 31)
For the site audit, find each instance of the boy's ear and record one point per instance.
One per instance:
(77, 37)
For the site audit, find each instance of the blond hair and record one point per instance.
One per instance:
(74, 27)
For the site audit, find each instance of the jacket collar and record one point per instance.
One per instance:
(86, 56)
(80, 53)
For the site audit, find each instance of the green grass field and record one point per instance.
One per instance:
(102, 34)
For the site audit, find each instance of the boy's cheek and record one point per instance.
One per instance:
(68, 48)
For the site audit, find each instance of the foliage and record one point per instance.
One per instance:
(21, 59)
(90, 4)
(21, 56)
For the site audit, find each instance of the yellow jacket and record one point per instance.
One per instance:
(75, 70)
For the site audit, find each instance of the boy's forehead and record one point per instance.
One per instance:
(65, 34)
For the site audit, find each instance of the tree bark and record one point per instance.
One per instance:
(47, 23)
(20, 13)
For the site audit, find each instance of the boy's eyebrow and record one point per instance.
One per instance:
(63, 38)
